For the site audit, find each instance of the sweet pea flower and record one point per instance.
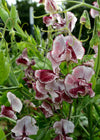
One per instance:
(24, 60)
(50, 5)
(71, 20)
(48, 84)
(58, 22)
(45, 76)
(24, 127)
(62, 128)
(66, 48)
(77, 82)
(93, 12)
(16, 106)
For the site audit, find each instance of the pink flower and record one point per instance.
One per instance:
(58, 22)
(62, 128)
(77, 82)
(71, 20)
(16, 106)
(46, 108)
(50, 6)
(50, 86)
(48, 20)
(93, 12)
(45, 76)
(24, 127)
(66, 48)
(23, 59)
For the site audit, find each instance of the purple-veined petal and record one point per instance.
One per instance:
(40, 96)
(66, 98)
(25, 125)
(76, 46)
(48, 20)
(45, 76)
(93, 12)
(70, 84)
(23, 59)
(46, 109)
(7, 112)
(83, 72)
(50, 6)
(63, 127)
(58, 53)
(15, 102)
(71, 19)
(55, 65)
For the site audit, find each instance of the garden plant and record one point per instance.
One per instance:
(50, 88)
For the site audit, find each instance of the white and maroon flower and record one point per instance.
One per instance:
(71, 20)
(46, 108)
(16, 106)
(58, 22)
(23, 59)
(77, 82)
(93, 12)
(62, 128)
(50, 6)
(45, 76)
(24, 127)
(48, 20)
(65, 49)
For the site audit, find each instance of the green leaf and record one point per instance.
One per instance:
(14, 15)
(37, 34)
(2, 134)
(4, 68)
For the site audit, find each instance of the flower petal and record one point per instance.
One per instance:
(71, 19)
(93, 12)
(15, 102)
(83, 72)
(28, 123)
(7, 112)
(76, 45)
(45, 76)
(46, 109)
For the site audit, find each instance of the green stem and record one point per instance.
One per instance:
(80, 32)
(73, 7)
(90, 121)
(85, 4)
(84, 129)
(70, 109)
(10, 88)
(98, 62)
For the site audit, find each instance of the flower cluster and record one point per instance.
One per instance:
(48, 84)
(51, 88)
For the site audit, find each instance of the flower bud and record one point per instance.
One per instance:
(85, 20)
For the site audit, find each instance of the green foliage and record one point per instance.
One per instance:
(44, 134)
(4, 68)
(2, 134)
(37, 34)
